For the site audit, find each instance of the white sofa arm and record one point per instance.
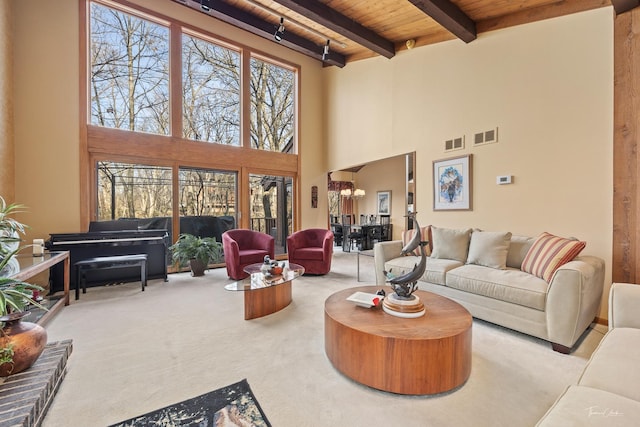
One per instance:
(383, 252)
(574, 298)
(624, 303)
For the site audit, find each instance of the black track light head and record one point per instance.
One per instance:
(280, 31)
(325, 52)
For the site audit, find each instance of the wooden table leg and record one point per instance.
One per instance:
(261, 302)
(67, 267)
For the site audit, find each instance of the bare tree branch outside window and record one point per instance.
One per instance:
(211, 92)
(129, 72)
(133, 191)
(207, 192)
(272, 106)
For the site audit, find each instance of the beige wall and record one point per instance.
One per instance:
(46, 114)
(7, 177)
(46, 90)
(547, 86)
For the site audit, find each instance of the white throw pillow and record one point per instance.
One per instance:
(489, 248)
(450, 243)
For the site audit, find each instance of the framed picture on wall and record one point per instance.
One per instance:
(384, 203)
(452, 184)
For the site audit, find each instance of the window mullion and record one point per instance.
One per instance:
(245, 115)
(175, 79)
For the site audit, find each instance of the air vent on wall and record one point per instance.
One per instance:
(454, 144)
(486, 137)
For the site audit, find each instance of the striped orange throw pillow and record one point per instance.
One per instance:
(425, 236)
(548, 253)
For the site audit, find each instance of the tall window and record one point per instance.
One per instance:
(272, 107)
(133, 191)
(211, 92)
(207, 192)
(132, 81)
(129, 72)
(271, 207)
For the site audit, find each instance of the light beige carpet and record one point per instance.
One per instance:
(134, 352)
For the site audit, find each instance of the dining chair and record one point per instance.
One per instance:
(349, 235)
(337, 233)
(385, 228)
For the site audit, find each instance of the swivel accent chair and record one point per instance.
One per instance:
(311, 248)
(243, 247)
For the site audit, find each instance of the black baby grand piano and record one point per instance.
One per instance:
(110, 238)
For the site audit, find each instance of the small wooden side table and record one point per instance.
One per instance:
(30, 265)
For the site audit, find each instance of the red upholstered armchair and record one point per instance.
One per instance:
(312, 249)
(243, 247)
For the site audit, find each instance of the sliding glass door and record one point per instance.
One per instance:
(271, 207)
(207, 201)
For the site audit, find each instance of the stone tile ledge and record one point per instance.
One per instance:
(26, 396)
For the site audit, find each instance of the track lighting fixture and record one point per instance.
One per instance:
(325, 53)
(205, 5)
(280, 31)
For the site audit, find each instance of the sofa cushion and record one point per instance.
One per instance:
(513, 286)
(614, 364)
(582, 406)
(489, 248)
(435, 271)
(450, 243)
(548, 253)
(425, 236)
(518, 249)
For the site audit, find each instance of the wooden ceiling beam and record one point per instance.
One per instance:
(251, 23)
(347, 27)
(621, 6)
(450, 17)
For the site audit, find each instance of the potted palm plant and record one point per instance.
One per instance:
(10, 228)
(21, 343)
(197, 252)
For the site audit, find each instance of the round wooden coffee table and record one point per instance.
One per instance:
(425, 355)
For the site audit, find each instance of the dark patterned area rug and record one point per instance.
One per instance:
(234, 405)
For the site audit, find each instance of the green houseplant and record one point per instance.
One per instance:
(10, 228)
(21, 343)
(15, 295)
(197, 252)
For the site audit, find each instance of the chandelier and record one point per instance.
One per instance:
(355, 194)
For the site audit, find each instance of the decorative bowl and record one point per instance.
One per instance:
(363, 299)
(276, 270)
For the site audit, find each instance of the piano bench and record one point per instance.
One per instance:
(109, 262)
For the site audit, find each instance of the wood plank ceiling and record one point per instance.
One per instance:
(358, 29)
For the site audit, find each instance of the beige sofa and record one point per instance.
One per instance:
(484, 274)
(608, 392)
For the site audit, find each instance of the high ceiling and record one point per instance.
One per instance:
(358, 29)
